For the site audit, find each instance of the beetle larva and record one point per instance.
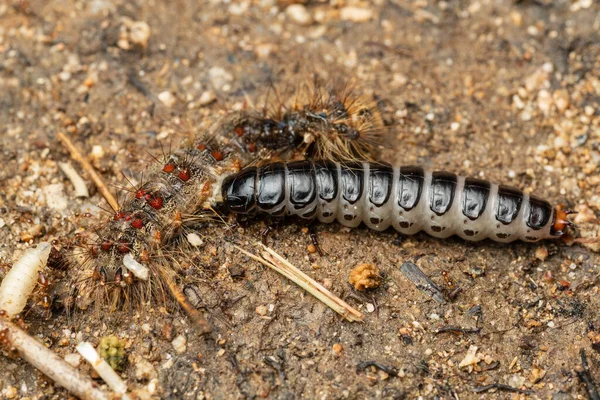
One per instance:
(408, 198)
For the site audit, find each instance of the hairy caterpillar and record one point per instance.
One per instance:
(409, 199)
(127, 256)
(332, 123)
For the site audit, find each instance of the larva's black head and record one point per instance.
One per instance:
(239, 192)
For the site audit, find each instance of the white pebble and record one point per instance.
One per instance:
(180, 344)
(73, 359)
(144, 370)
(299, 14)
(167, 98)
(356, 14)
(139, 33)
(206, 98)
(139, 270)
(55, 196)
(219, 77)
(2, 223)
(370, 307)
(194, 239)
(454, 126)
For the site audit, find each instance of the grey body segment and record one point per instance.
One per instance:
(409, 199)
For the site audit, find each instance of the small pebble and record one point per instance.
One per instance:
(370, 307)
(139, 33)
(55, 196)
(10, 392)
(180, 344)
(144, 370)
(299, 14)
(194, 239)
(337, 348)
(356, 14)
(206, 98)
(73, 359)
(219, 77)
(167, 98)
(311, 248)
(541, 253)
(262, 310)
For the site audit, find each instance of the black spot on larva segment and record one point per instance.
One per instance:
(437, 228)
(349, 217)
(380, 183)
(238, 191)
(310, 214)
(326, 178)
(301, 176)
(271, 186)
(327, 214)
(375, 221)
(509, 204)
(502, 235)
(352, 181)
(443, 185)
(469, 232)
(475, 196)
(404, 224)
(410, 186)
(539, 212)
(531, 238)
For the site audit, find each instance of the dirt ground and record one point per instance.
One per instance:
(506, 91)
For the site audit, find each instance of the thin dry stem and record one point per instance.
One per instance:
(50, 364)
(271, 259)
(77, 156)
(196, 316)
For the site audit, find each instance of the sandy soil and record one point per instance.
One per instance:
(507, 91)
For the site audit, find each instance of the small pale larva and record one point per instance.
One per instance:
(19, 282)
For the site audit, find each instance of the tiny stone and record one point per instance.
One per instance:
(10, 392)
(311, 248)
(454, 126)
(356, 14)
(194, 239)
(299, 14)
(428, 352)
(541, 253)
(370, 307)
(219, 77)
(2, 223)
(180, 344)
(73, 359)
(144, 370)
(206, 98)
(167, 98)
(337, 348)
(139, 33)
(262, 310)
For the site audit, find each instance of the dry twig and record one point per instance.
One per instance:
(77, 156)
(50, 364)
(276, 262)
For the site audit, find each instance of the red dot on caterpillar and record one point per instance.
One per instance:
(124, 246)
(201, 147)
(217, 155)
(168, 168)
(239, 130)
(156, 203)
(106, 246)
(140, 193)
(137, 223)
(128, 218)
(118, 216)
(251, 147)
(184, 174)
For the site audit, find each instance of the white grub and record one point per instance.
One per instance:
(108, 374)
(20, 281)
(78, 182)
(139, 270)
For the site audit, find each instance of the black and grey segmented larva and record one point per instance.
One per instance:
(409, 199)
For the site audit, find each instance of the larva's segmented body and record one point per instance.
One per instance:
(409, 199)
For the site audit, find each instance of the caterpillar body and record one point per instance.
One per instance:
(333, 124)
(409, 199)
